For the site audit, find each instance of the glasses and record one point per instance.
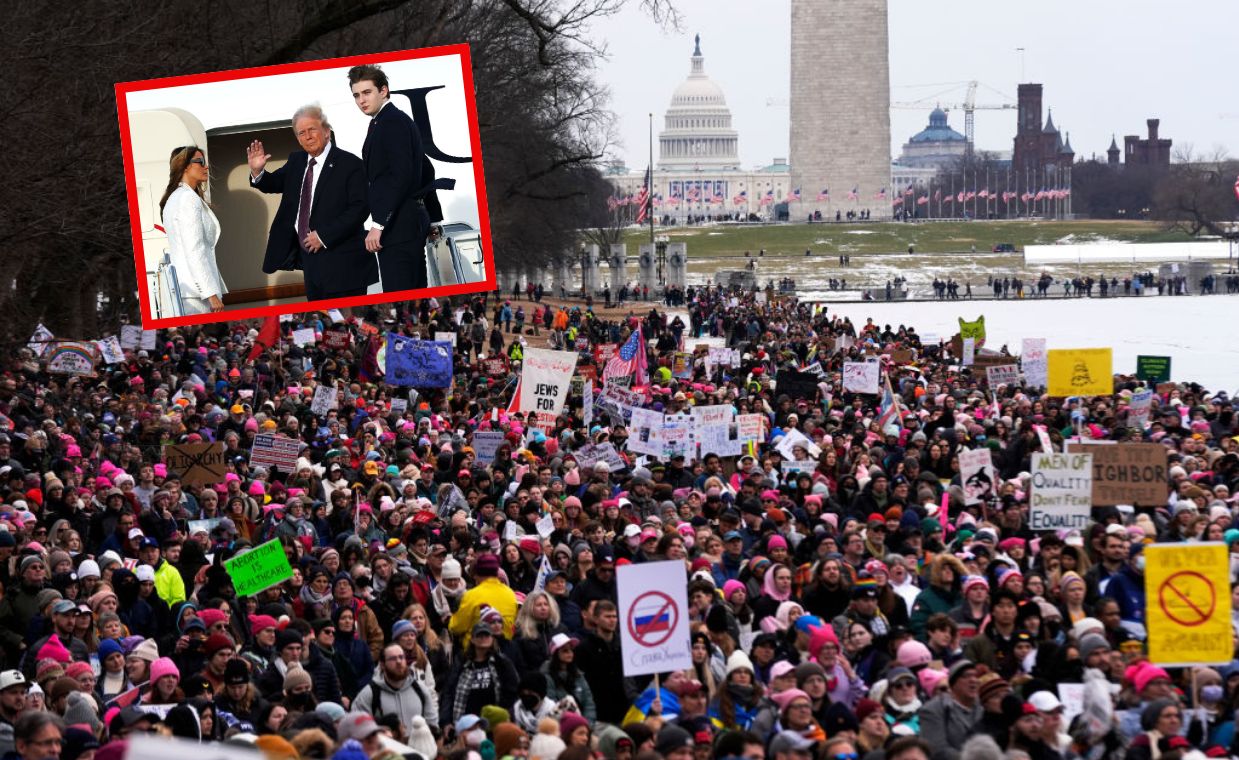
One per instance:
(905, 685)
(198, 161)
(845, 756)
(328, 631)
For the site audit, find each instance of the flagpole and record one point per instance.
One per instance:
(650, 190)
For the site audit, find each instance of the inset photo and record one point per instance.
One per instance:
(340, 182)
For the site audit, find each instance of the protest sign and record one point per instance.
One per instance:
(1033, 362)
(545, 526)
(399, 406)
(1002, 374)
(974, 330)
(654, 617)
(903, 356)
(545, 377)
(303, 337)
(591, 454)
(793, 438)
(587, 402)
(976, 472)
(335, 315)
(860, 377)
(1187, 610)
(325, 399)
(751, 427)
(1062, 486)
(110, 350)
(968, 355)
(495, 367)
(603, 353)
(676, 436)
(259, 568)
(1080, 372)
(1153, 369)
(720, 438)
(682, 366)
(796, 384)
(445, 337)
(130, 336)
(40, 339)
(1138, 409)
(203, 526)
(336, 339)
(643, 431)
(275, 451)
(1127, 473)
(197, 464)
(418, 363)
(72, 357)
(147, 341)
(1047, 446)
(485, 444)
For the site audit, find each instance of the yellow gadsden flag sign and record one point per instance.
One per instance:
(1080, 371)
(1187, 597)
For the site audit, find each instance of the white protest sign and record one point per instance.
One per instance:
(324, 400)
(1062, 491)
(545, 525)
(653, 610)
(509, 531)
(976, 472)
(1047, 446)
(970, 352)
(587, 402)
(39, 340)
(676, 437)
(590, 454)
(147, 343)
(861, 377)
(751, 427)
(545, 378)
(1035, 362)
(335, 315)
(1138, 411)
(485, 444)
(110, 348)
(130, 336)
(1072, 697)
(446, 337)
(399, 406)
(303, 337)
(1002, 374)
(793, 438)
(643, 431)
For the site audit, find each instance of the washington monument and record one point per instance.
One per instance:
(840, 105)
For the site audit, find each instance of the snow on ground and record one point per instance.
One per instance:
(860, 232)
(1192, 330)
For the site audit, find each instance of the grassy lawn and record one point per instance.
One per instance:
(891, 237)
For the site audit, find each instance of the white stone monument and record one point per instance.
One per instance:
(677, 265)
(647, 268)
(840, 106)
(590, 279)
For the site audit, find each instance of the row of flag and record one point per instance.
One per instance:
(643, 201)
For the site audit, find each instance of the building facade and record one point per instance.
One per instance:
(1153, 151)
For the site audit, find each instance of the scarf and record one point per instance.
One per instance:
(309, 597)
(474, 676)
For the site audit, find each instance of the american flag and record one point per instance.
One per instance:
(938, 195)
(643, 199)
(674, 200)
(898, 200)
(984, 193)
(693, 194)
(719, 199)
(888, 417)
(825, 194)
(880, 195)
(949, 199)
(922, 200)
(794, 195)
(612, 203)
(960, 197)
(741, 198)
(768, 197)
(629, 360)
(971, 194)
(909, 191)
(854, 194)
(1040, 196)
(1027, 196)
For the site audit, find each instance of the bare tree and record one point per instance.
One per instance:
(1196, 195)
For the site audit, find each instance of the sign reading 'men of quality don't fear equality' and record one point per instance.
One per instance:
(1062, 486)
(653, 609)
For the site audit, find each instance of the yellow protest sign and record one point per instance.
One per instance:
(1080, 371)
(1187, 602)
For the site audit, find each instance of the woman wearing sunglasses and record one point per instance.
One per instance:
(192, 231)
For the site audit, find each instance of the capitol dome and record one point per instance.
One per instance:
(697, 131)
(934, 147)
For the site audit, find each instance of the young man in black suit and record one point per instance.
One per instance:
(394, 160)
(320, 224)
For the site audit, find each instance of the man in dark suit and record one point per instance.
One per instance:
(320, 224)
(396, 168)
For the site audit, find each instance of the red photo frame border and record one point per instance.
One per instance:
(475, 141)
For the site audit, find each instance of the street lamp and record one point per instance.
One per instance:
(660, 256)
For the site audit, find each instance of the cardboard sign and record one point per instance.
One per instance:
(643, 431)
(259, 568)
(275, 451)
(485, 444)
(1127, 473)
(1187, 603)
(1003, 374)
(336, 340)
(197, 464)
(72, 357)
(654, 617)
(903, 356)
(399, 406)
(130, 336)
(1062, 486)
(325, 399)
(751, 427)
(1080, 372)
(977, 473)
(860, 377)
(1033, 362)
(1153, 369)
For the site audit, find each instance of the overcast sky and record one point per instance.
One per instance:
(1106, 66)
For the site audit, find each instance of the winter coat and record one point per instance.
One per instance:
(490, 592)
(578, 690)
(946, 725)
(408, 700)
(938, 597)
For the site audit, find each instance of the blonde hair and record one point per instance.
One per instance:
(526, 626)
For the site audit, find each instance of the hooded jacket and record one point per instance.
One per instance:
(406, 700)
(939, 597)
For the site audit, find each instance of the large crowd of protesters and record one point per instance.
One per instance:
(851, 607)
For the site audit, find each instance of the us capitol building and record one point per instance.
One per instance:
(698, 169)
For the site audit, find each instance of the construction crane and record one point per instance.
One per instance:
(969, 106)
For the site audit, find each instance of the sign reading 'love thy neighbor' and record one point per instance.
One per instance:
(259, 568)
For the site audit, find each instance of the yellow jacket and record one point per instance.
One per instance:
(490, 592)
(169, 584)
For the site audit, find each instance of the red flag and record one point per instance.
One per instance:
(268, 335)
(1237, 188)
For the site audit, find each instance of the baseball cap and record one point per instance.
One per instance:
(11, 678)
(63, 607)
(1045, 701)
(135, 533)
(789, 741)
(145, 573)
(357, 726)
(468, 722)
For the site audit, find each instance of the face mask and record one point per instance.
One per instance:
(475, 738)
(740, 692)
(530, 701)
(1140, 563)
